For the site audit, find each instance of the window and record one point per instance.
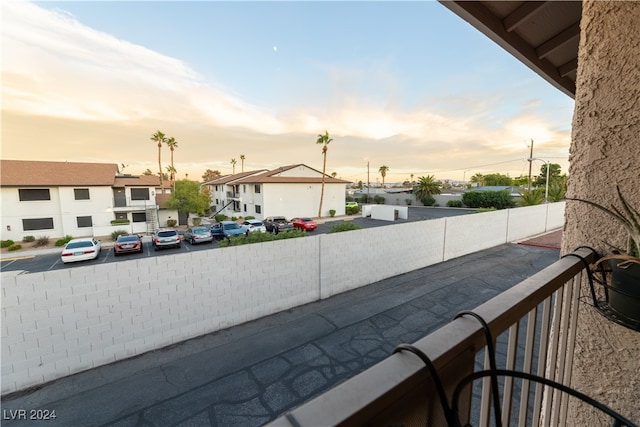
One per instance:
(139, 194)
(37, 224)
(139, 216)
(30, 194)
(84, 221)
(258, 209)
(256, 188)
(121, 215)
(81, 193)
(244, 188)
(245, 207)
(216, 201)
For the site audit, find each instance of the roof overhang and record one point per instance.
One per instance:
(544, 35)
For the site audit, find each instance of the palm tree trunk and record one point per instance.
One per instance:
(324, 168)
(160, 162)
(173, 176)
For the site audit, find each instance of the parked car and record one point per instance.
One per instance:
(254, 225)
(351, 205)
(304, 223)
(128, 243)
(166, 237)
(196, 235)
(276, 224)
(216, 231)
(232, 228)
(81, 250)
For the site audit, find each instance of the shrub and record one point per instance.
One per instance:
(42, 241)
(7, 243)
(364, 199)
(428, 200)
(15, 247)
(454, 203)
(197, 221)
(29, 239)
(172, 223)
(66, 239)
(352, 210)
(378, 199)
(118, 233)
(120, 221)
(249, 217)
(488, 199)
(220, 217)
(480, 210)
(332, 212)
(234, 218)
(260, 237)
(408, 201)
(344, 226)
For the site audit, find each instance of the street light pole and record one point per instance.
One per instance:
(546, 186)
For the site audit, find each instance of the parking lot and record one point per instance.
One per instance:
(50, 260)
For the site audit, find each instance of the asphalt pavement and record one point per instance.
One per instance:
(250, 374)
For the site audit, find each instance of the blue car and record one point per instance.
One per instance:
(227, 229)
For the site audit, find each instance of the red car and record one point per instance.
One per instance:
(304, 223)
(128, 243)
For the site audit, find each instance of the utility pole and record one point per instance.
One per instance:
(368, 184)
(530, 159)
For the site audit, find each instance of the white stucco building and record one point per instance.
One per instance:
(288, 191)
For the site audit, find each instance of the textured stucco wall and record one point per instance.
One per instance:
(605, 150)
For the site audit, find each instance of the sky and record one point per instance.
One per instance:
(407, 85)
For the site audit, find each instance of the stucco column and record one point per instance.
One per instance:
(605, 150)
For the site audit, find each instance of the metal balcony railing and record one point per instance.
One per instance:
(534, 325)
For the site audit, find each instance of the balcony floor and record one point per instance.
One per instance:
(250, 374)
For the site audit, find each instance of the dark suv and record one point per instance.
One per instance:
(166, 237)
(276, 224)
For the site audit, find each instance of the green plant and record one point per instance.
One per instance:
(234, 218)
(15, 247)
(487, 199)
(344, 226)
(172, 223)
(408, 202)
(332, 212)
(428, 200)
(480, 210)
(352, 210)
(454, 203)
(378, 199)
(197, 221)
(118, 233)
(6, 243)
(220, 217)
(120, 221)
(42, 241)
(248, 217)
(29, 239)
(628, 217)
(531, 197)
(66, 239)
(260, 237)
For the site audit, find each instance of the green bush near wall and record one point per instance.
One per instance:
(121, 221)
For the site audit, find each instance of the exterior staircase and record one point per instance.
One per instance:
(152, 220)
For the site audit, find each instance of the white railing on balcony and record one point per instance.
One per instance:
(534, 326)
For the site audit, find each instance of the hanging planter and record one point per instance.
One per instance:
(623, 290)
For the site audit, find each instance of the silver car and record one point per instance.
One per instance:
(195, 235)
(254, 225)
(166, 237)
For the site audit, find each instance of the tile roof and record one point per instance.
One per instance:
(137, 181)
(228, 178)
(27, 173)
(271, 177)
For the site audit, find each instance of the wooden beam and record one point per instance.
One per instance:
(521, 14)
(565, 36)
(567, 68)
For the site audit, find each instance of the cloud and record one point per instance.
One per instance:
(94, 96)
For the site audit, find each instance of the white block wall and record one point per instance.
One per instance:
(61, 322)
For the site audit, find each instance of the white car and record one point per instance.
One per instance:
(254, 225)
(81, 250)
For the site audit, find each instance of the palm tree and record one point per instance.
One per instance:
(478, 179)
(426, 187)
(324, 140)
(233, 163)
(334, 174)
(172, 175)
(160, 138)
(172, 144)
(242, 161)
(383, 171)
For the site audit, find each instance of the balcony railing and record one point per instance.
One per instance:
(534, 325)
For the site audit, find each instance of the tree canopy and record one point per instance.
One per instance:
(426, 186)
(189, 197)
(210, 175)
